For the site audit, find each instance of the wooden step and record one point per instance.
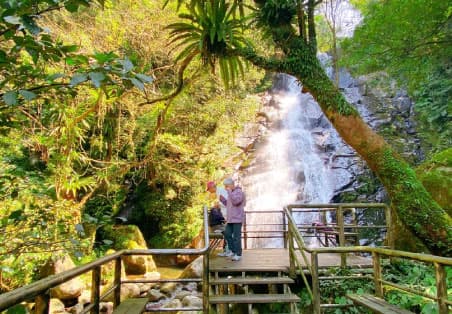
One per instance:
(251, 281)
(131, 306)
(175, 309)
(254, 298)
(238, 267)
(377, 305)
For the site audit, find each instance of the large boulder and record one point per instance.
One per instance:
(130, 237)
(194, 269)
(68, 290)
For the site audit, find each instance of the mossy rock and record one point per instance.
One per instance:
(125, 237)
(436, 176)
(129, 237)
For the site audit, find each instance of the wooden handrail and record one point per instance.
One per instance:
(42, 286)
(439, 262)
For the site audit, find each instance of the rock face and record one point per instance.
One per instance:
(68, 290)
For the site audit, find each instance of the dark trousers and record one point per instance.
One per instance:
(233, 235)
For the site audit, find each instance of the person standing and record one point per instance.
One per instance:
(220, 195)
(235, 208)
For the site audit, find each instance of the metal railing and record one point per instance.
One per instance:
(312, 264)
(40, 290)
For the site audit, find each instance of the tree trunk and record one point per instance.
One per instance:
(414, 205)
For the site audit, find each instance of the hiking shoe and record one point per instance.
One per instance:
(226, 254)
(236, 258)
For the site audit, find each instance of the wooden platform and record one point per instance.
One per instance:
(261, 260)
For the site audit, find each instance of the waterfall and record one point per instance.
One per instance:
(290, 164)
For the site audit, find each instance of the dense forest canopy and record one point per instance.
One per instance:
(104, 102)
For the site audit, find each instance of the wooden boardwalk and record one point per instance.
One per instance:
(278, 259)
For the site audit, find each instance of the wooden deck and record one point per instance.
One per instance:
(278, 259)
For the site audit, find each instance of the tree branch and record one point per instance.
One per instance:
(180, 81)
(248, 53)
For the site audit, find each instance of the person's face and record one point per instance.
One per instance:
(212, 189)
(229, 187)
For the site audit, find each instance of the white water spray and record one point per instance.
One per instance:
(289, 167)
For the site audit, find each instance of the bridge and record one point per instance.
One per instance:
(304, 257)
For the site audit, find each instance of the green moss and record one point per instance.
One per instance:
(124, 237)
(414, 205)
(436, 176)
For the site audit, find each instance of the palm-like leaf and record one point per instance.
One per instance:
(211, 31)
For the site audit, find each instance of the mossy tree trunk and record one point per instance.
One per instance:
(414, 205)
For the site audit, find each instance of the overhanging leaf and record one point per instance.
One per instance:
(10, 98)
(144, 78)
(27, 94)
(78, 78)
(137, 83)
(96, 78)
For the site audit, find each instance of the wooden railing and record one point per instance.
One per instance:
(312, 264)
(40, 290)
(278, 228)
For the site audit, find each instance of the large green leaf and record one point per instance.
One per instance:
(10, 98)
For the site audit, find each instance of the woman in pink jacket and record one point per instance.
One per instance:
(235, 207)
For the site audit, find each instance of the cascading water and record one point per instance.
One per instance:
(289, 165)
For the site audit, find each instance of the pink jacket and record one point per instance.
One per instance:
(235, 205)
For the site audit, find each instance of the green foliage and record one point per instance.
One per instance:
(417, 276)
(434, 108)
(435, 176)
(334, 291)
(274, 13)
(417, 55)
(388, 40)
(211, 32)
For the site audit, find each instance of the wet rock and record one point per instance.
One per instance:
(68, 290)
(174, 303)
(182, 294)
(129, 290)
(76, 309)
(168, 288)
(192, 301)
(155, 295)
(57, 306)
(194, 269)
(85, 297)
(106, 307)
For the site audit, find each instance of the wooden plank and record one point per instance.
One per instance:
(254, 260)
(252, 281)
(254, 298)
(175, 309)
(131, 306)
(278, 260)
(377, 305)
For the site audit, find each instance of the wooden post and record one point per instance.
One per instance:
(340, 223)
(315, 282)
(292, 255)
(285, 229)
(205, 282)
(117, 282)
(42, 305)
(245, 234)
(95, 289)
(389, 227)
(441, 288)
(377, 274)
